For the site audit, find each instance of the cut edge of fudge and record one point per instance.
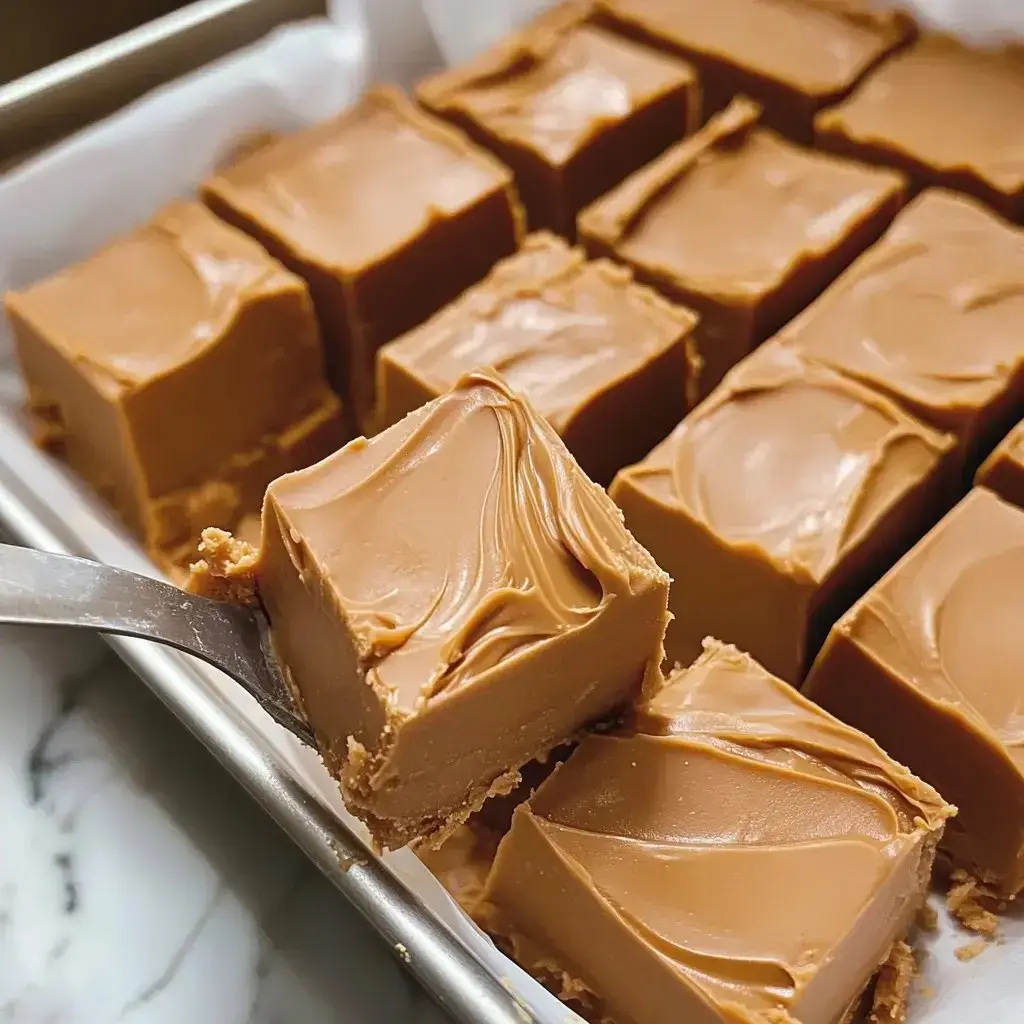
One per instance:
(1003, 470)
(919, 815)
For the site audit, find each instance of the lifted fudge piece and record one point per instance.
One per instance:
(387, 213)
(793, 56)
(451, 600)
(570, 107)
(608, 363)
(741, 226)
(732, 853)
(929, 663)
(946, 114)
(778, 501)
(178, 370)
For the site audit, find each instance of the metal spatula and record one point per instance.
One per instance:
(38, 588)
(42, 589)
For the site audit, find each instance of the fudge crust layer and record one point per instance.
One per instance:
(779, 496)
(457, 598)
(570, 107)
(732, 852)
(794, 56)
(975, 145)
(178, 370)
(593, 351)
(931, 315)
(929, 661)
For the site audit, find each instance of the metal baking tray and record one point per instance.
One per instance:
(35, 110)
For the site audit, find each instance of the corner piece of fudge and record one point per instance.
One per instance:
(731, 853)
(178, 370)
(451, 600)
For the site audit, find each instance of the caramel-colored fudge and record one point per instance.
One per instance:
(794, 56)
(732, 853)
(570, 107)
(741, 226)
(607, 362)
(178, 370)
(946, 114)
(452, 599)
(1003, 470)
(932, 316)
(929, 663)
(386, 212)
(778, 501)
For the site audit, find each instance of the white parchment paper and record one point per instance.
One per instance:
(64, 204)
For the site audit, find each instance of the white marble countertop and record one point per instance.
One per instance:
(139, 883)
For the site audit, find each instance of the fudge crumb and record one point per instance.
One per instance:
(966, 902)
(226, 570)
(928, 918)
(892, 988)
(969, 950)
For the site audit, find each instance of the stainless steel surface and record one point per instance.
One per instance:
(33, 35)
(57, 100)
(456, 979)
(38, 588)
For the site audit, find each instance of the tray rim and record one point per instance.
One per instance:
(424, 944)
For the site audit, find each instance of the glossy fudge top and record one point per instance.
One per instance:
(154, 300)
(932, 313)
(456, 540)
(558, 328)
(715, 825)
(948, 618)
(556, 85)
(790, 458)
(734, 210)
(978, 93)
(350, 192)
(820, 47)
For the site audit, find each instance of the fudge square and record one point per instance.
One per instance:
(778, 501)
(732, 853)
(178, 370)
(570, 107)
(794, 56)
(932, 316)
(1003, 470)
(742, 226)
(387, 213)
(974, 145)
(607, 362)
(929, 661)
(451, 600)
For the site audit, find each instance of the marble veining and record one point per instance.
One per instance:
(138, 883)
